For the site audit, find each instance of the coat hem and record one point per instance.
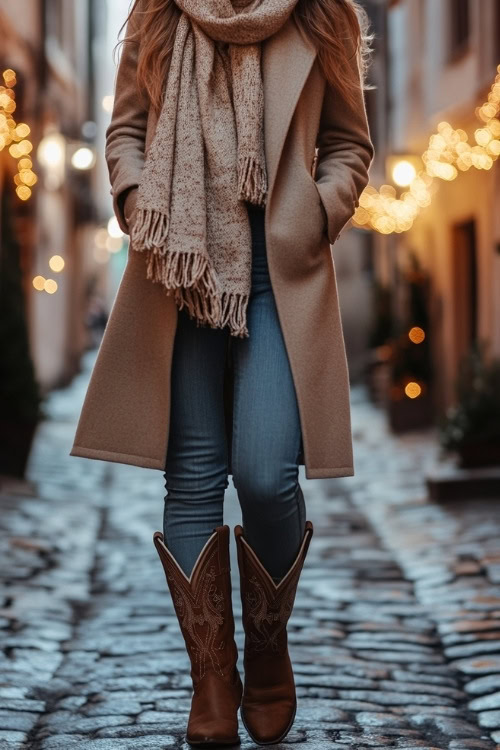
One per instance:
(145, 462)
(332, 473)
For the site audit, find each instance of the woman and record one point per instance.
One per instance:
(224, 351)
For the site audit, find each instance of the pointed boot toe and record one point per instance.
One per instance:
(267, 727)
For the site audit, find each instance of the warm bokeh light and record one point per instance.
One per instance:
(51, 151)
(22, 130)
(9, 76)
(108, 102)
(413, 390)
(114, 229)
(18, 150)
(28, 177)
(114, 244)
(39, 283)
(101, 237)
(24, 192)
(449, 152)
(416, 335)
(56, 263)
(50, 286)
(83, 158)
(403, 173)
(14, 136)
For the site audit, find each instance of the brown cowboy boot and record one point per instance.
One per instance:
(269, 701)
(204, 609)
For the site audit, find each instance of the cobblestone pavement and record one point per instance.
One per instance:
(395, 636)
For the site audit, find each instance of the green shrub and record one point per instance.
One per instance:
(475, 418)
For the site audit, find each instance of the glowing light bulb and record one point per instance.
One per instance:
(404, 173)
(83, 158)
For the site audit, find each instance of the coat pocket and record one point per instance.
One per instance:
(320, 206)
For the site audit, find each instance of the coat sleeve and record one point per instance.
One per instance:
(345, 152)
(126, 133)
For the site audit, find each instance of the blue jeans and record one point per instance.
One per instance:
(266, 431)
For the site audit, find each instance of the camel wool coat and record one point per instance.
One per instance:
(318, 152)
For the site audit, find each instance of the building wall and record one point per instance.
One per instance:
(430, 83)
(57, 333)
(55, 50)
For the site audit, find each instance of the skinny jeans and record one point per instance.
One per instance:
(266, 432)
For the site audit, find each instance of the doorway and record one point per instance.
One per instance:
(465, 298)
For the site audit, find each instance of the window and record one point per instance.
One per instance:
(459, 11)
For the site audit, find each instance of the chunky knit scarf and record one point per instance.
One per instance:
(207, 158)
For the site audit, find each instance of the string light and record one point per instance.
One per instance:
(14, 136)
(449, 152)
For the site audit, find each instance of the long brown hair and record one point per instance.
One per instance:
(155, 24)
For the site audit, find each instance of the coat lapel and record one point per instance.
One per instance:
(287, 59)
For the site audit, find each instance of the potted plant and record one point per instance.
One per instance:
(20, 398)
(471, 427)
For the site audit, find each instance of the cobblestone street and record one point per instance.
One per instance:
(395, 637)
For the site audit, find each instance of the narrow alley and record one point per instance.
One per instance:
(395, 636)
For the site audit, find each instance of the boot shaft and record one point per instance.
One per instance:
(266, 605)
(203, 605)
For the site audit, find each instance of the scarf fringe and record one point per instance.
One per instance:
(194, 282)
(150, 230)
(252, 180)
(234, 306)
(232, 312)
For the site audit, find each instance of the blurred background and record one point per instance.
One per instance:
(418, 269)
(396, 636)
